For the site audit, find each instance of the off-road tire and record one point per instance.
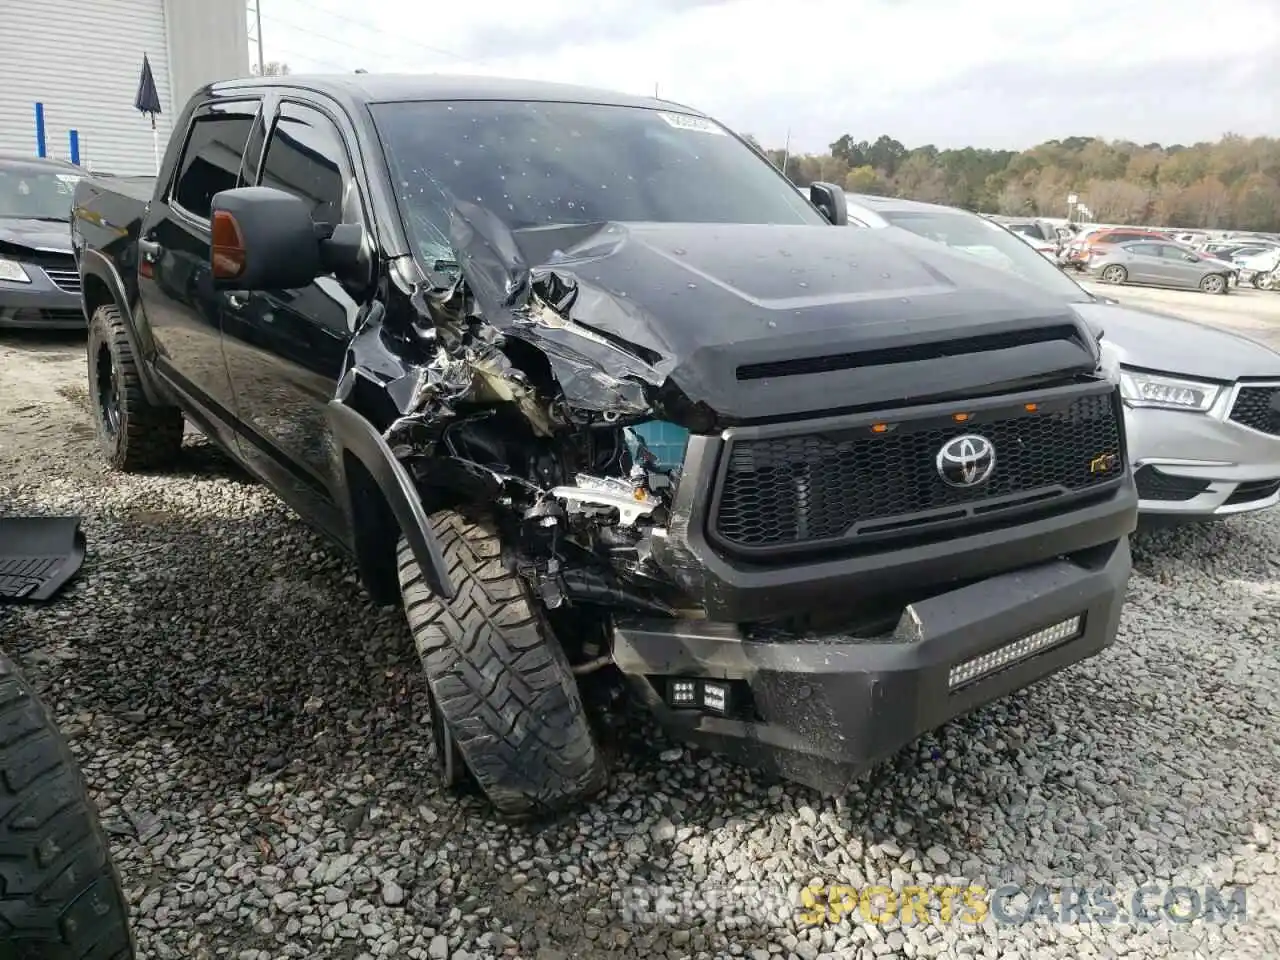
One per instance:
(147, 437)
(1115, 274)
(60, 895)
(498, 675)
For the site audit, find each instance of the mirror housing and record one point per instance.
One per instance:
(829, 198)
(263, 239)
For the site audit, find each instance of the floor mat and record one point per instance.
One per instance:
(38, 555)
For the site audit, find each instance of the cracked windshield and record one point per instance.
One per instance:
(695, 480)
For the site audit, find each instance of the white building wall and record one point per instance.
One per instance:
(82, 60)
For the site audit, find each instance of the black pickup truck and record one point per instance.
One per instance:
(582, 381)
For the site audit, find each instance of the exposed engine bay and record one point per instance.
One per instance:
(520, 417)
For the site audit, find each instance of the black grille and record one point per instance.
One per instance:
(68, 280)
(1259, 408)
(1253, 490)
(50, 261)
(855, 486)
(29, 316)
(1154, 485)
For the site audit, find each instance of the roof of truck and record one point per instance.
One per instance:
(391, 88)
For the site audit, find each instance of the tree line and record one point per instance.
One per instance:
(1233, 183)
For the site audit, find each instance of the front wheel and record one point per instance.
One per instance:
(500, 683)
(1115, 274)
(60, 897)
(1214, 283)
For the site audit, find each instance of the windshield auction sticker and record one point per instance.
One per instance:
(682, 121)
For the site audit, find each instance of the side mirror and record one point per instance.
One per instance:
(1191, 258)
(829, 198)
(263, 239)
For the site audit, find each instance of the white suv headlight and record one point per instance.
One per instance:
(12, 271)
(1168, 393)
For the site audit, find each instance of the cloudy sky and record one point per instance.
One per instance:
(994, 73)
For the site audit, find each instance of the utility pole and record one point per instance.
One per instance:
(257, 15)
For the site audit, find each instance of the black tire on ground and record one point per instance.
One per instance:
(60, 895)
(134, 435)
(1115, 274)
(1215, 283)
(499, 677)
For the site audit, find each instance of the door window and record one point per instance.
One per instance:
(211, 158)
(306, 157)
(1143, 249)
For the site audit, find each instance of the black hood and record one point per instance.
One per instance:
(761, 321)
(41, 236)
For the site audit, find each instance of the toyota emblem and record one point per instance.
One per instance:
(966, 461)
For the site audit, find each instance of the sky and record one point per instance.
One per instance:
(988, 73)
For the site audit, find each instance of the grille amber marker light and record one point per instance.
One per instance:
(879, 428)
(961, 417)
(1031, 407)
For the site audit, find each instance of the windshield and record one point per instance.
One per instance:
(992, 243)
(30, 193)
(534, 164)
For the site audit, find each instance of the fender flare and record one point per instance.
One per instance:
(94, 263)
(358, 436)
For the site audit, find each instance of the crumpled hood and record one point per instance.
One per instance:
(763, 321)
(43, 236)
(1159, 342)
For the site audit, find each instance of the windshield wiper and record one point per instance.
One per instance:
(24, 216)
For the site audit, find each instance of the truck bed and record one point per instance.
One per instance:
(108, 212)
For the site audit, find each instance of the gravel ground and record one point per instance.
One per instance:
(255, 734)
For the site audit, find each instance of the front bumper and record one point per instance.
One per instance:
(822, 709)
(40, 304)
(1201, 464)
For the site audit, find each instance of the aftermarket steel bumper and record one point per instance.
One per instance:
(821, 710)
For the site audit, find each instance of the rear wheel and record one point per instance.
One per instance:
(1214, 283)
(60, 896)
(504, 694)
(134, 434)
(1115, 274)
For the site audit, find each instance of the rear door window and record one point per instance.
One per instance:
(212, 155)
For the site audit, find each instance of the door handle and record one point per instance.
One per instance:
(235, 302)
(150, 250)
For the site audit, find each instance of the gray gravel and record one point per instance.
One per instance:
(254, 732)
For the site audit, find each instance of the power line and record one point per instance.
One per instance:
(365, 26)
(345, 42)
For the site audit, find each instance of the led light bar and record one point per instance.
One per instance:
(1011, 653)
(715, 696)
(683, 693)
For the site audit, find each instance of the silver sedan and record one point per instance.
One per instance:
(1202, 412)
(1160, 264)
(1202, 405)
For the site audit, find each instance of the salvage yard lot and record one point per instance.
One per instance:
(255, 734)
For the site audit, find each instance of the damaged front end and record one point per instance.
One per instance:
(499, 397)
